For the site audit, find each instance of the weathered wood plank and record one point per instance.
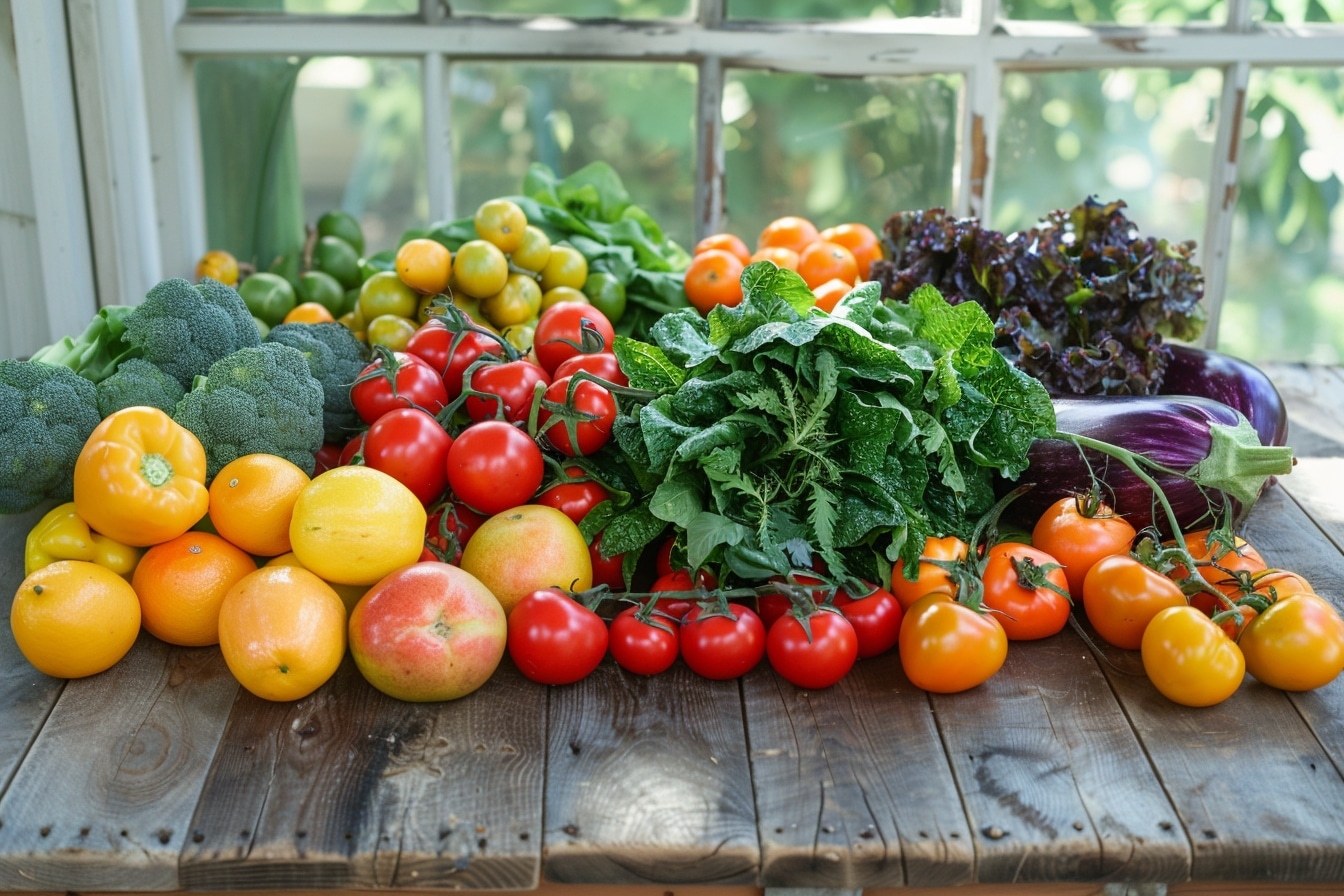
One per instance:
(348, 787)
(1314, 396)
(26, 695)
(852, 786)
(105, 795)
(647, 781)
(1037, 752)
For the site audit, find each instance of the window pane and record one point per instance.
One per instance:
(839, 9)
(576, 9)
(1296, 12)
(638, 117)
(311, 7)
(1285, 283)
(1139, 135)
(1117, 12)
(836, 150)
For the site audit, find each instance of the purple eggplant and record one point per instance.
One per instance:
(1234, 382)
(1203, 454)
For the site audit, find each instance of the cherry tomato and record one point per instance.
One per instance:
(494, 466)
(326, 457)
(1189, 659)
(816, 655)
(680, 580)
(772, 607)
(1078, 535)
(589, 435)
(409, 445)
(930, 578)
(1027, 587)
(448, 529)
(609, 571)
(600, 364)
(1297, 644)
(451, 353)
(1121, 596)
(508, 386)
(663, 561)
(576, 497)
(876, 617)
(644, 646)
(567, 329)
(946, 647)
(1211, 546)
(1274, 584)
(408, 382)
(554, 639)
(720, 646)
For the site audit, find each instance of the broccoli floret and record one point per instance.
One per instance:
(138, 382)
(336, 358)
(257, 400)
(47, 412)
(183, 327)
(95, 353)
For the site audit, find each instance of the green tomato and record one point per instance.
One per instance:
(269, 297)
(344, 225)
(385, 260)
(324, 289)
(339, 259)
(606, 293)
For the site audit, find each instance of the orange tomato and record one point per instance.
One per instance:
(789, 232)
(181, 584)
(424, 265)
(785, 258)
(821, 261)
(729, 242)
(252, 502)
(930, 578)
(830, 293)
(860, 240)
(74, 618)
(309, 313)
(714, 278)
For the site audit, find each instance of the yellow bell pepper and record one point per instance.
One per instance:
(63, 535)
(140, 478)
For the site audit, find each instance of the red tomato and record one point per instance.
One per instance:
(353, 448)
(663, 562)
(722, 646)
(601, 364)
(508, 387)
(609, 571)
(451, 353)
(326, 457)
(576, 497)
(680, 580)
(407, 382)
(1189, 659)
(772, 607)
(567, 329)
(930, 578)
(1121, 596)
(1028, 589)
(876, 617)
(589, 398)
(645, 646)
(1297, 644)
(409, 445)
(554, 639)
(494, 466)
(815, 656)
(947, 647)
(447, 531)
(1078, 535)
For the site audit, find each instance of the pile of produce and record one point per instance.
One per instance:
(558, 432)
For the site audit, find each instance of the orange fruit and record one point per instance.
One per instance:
(220, 265)
(729, 242)
(354, 524)
(526, 548)
(785, 258)
(822, 261)
(830, 293)
(789, 232)
(714, 277)
(282, 632)
(860, 240)
(309, 313)
(74, 618)
(181, 583)
(252, 500)
(349, 594)
(424, 265)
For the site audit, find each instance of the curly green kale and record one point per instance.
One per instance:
(184, 328)
(258, 400)
(138, 383)
(336, 358)
(47, 412)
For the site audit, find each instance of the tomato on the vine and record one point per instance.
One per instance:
(876, 617)
(1029, 590)
(1121, 596)
(1189, 659)
(930, 578)
(1219, 558)
(814, 655)
(574, 497)
(644, 644)
(678, 580)
(1078, 532)
(412, 447)
(493, 466)
(589, 398)
(1296, 644)
(508, 388)
(599, 364)
(609, 571)
(353, 448)
(567, 329)
(451, 353)
(326, 457)
(406, 382)
(554, 639)
(722, 644)
(947, 647)
(448, 529)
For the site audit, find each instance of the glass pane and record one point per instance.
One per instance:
(1117, 12)
(1297, 12)
(576, 9)
(836, 150)
(1285, 282)
(638, 117)
(839, 9)
(310, 7)
(361, 144)
(1143, 136)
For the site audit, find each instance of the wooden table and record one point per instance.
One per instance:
(1067, 767)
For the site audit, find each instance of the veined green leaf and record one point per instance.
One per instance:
(647, 366)
(678, 499)
(708, 531)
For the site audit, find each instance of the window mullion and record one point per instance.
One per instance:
(980, 121)
(709, 174)
(435, 98)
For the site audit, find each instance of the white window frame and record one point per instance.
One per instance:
(977, 46)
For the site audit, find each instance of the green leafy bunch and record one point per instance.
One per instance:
(775, 434)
